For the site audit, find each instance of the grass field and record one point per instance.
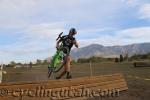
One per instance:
(138, 79)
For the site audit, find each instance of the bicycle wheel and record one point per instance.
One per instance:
(57, 62)
(58, 67)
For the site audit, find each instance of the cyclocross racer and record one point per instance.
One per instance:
(68, 41)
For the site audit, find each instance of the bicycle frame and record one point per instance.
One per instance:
(58, 55)
(57, 58)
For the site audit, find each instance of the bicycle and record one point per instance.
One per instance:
(58, 60)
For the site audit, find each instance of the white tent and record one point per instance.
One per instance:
(1, 72)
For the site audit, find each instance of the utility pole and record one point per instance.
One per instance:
(91, 71)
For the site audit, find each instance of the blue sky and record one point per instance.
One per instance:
(28, 28)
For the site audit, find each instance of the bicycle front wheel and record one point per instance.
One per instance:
(50, 70)
(58, 67)
(57, 61)
(56, 64)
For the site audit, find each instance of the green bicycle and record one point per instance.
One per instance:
(58, 60)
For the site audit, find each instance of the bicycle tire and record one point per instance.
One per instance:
(50, 71)
(58, 68)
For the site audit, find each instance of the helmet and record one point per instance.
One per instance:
(73, 31)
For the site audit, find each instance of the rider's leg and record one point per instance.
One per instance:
(67, 66)
(65, 69)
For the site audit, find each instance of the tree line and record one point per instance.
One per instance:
(121, 58)
(94, 59)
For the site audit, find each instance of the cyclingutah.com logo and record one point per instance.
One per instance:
(60, 93)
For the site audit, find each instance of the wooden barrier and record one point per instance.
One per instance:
(85, 87)
(141, 64)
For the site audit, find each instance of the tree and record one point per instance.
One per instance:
(38, 62)
(126, 57)
(30, 64)
(12, 64)
(45, 62)
(116, 59)
(121, 58)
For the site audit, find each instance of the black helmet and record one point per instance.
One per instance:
(73, 30)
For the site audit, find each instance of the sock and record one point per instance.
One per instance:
(68, 73)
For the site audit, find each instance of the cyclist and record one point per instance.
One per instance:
(68, 41)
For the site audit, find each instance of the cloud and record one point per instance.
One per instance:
(19, 14)
(45, 30)
(135, 33)
(36, 42)
(121, 37)
(141, 7)
(133, 2)
(25, 51)
(105, 40)
(94, 30)
(145, 11)
(35, 24)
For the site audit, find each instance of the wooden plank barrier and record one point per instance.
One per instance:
(141, 64)
(76, 89)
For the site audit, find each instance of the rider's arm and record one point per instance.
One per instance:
(57, 44)
(76, 43)
(59, 41)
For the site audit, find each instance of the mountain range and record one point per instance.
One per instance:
(110, 51)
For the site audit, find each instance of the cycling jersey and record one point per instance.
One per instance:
(67, 42)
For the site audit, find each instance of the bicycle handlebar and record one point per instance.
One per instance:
(59, 36)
